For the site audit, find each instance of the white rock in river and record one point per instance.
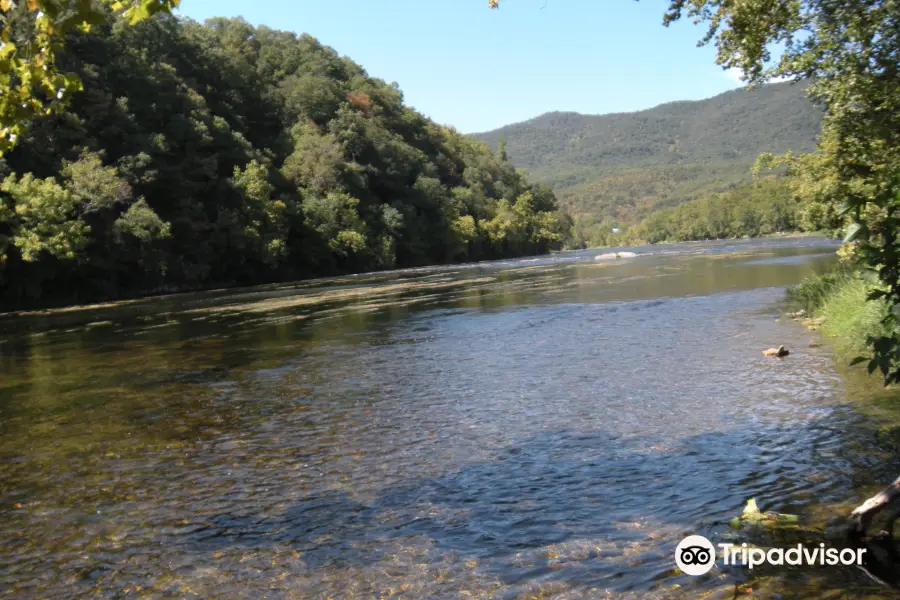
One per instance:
(614, 255)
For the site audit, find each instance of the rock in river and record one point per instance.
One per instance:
(779, 352)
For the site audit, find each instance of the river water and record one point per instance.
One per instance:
(546, 427)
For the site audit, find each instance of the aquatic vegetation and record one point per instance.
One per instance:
(369, 293)
(752, 516)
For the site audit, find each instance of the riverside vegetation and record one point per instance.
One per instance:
(220, 153)
(762, 207)
(836, 304)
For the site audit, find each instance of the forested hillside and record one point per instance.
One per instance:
(624, 166)
(764, 206)
(219, 153)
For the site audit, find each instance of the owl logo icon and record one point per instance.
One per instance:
(695, 555)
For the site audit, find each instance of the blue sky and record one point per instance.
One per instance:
(465, 65)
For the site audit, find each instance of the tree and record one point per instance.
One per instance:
(31, 34)
(42, 219)
(316, 160)
(265, 217)
(502, 154)
(335, 216)
(94, 186)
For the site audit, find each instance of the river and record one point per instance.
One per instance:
(545, 427)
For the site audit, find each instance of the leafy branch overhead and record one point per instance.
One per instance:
(32, 32)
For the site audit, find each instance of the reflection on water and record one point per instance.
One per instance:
(544, 427)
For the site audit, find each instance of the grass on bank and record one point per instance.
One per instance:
(837, 303)
(839, 299)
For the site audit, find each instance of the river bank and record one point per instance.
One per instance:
(836, 304)
(744, 238)
(212, 293)
(836, 307)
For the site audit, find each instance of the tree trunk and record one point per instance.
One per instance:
(888, 500)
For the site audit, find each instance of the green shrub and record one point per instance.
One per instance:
(813, 291)
(849, 318)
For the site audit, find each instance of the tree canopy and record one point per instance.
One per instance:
(31, 34)
(222, 153)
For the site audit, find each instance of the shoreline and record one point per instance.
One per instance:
(781, 235)
(313, 282)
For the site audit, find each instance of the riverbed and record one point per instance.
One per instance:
(543, 427)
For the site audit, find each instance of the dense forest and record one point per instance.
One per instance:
(220, 153)
(762, 207)
(624, 166)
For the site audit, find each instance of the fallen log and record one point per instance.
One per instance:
(888, 500)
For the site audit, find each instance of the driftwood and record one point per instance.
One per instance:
(887, 501)
(882, 561)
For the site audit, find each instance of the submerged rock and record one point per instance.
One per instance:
(813, 324)
(779, 351)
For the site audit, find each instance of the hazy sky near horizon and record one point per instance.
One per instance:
(477, 69)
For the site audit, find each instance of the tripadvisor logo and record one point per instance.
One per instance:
(696, 555)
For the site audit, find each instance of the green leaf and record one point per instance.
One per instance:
(784, 518)
(137, 14)
(751, 508)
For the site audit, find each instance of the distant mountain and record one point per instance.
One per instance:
(625, 165)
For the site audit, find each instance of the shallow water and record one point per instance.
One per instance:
(546, 427)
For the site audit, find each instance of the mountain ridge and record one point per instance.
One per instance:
(590, 160)
(624, 112)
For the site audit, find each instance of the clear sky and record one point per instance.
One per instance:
(465, 65)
